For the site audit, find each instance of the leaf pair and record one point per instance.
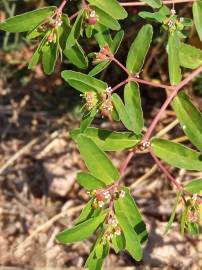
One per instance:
(131, 113)
(102, 171)
(131, 222)
(109, 140)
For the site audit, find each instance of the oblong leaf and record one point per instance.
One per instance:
(77, 56)
(197, 14)
(106, 20)
(174, 60)
(139, 49)
(128, 206)
(132, 241)
(190, 119)
(177, 154)
(88, 181)
(190, 57)
(153, 3)
(27, 21)
(96, 160)
(133, 106)
(49, 57)
(171, 219)
(195, 186)
(82, 82)
(111, 7)
(75, 31)
(122, 112)
(81, 231)
(109, 140)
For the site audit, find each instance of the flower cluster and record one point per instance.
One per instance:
(103, 197)
(102, 102)
(112, 229)
(173, 23)
(104, 54)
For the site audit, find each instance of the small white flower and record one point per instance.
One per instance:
(170, 23)
(109, 89)
(122, 194)
(181, 19)
(92, 14)
(173, 12)
(194, 197)
(100, 204)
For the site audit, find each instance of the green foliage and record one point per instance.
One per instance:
(177, 154)
(27, 21)
(96, 160)
(139, 49)
(109, 140)
(111, 211)
(197, 11)
(190, 119)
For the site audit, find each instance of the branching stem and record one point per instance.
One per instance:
(166, 2)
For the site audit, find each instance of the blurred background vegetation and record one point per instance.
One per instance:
(38, 161)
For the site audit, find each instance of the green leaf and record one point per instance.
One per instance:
(96, 160)
(190, 119)
(183, 220)
(81, 231)
(139, 49)
(49, 57)
(87, 119)
(102, 35)
(75, 31)
(153, 3)
(197, 14)
(159, 16)
(132, 241)
(106, 20)
(193, 229)
(111, 7)
(123, 114)
(100, 67)
(177, 154)
(98, 252)
(133, 106)
(174, 59)
(170, 222)
(82, 82)
(27, 21)
(128, 206)
(190, 57)
(117, 41)
(36, 56)
(88, 181)
(109, 140)
(77, 56)
(195, 186)
(86, 212)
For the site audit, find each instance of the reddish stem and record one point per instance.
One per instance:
(119, 85)
(158, 116)
(166, 172)
(62, 5)
(157, 85)
(126, 162)
(74, 15)
(112, 58)
(168, 101)
(166, 2)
